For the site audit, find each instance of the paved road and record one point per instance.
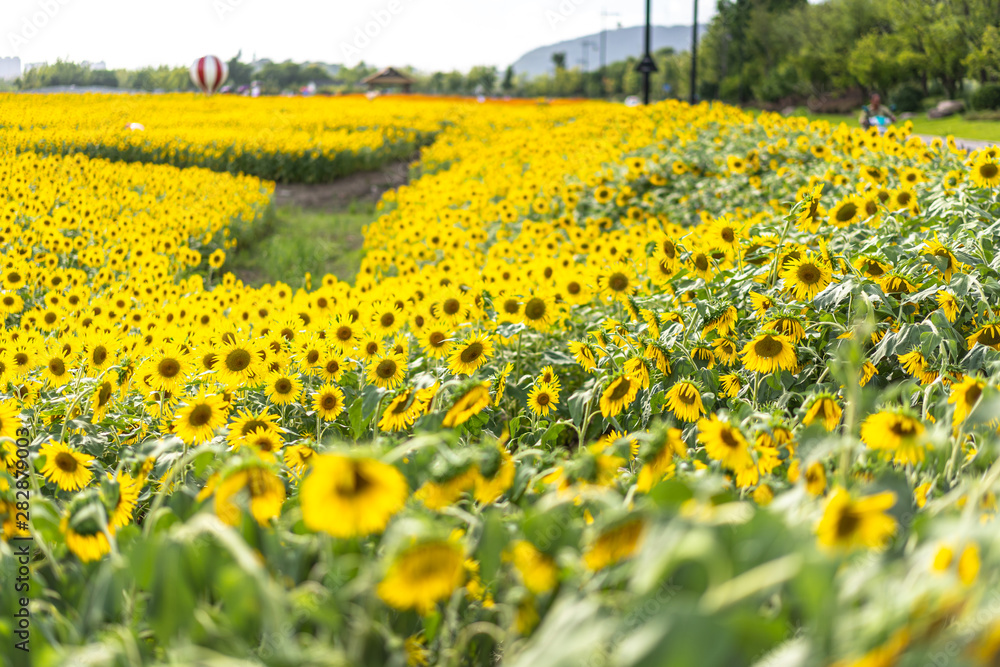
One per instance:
(965, 144)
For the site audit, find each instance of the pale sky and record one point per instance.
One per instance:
(428, 34)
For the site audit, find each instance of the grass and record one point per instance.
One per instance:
(295, 241)
(957, 126)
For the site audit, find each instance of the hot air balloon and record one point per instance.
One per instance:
(209, 73)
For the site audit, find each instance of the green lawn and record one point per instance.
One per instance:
(959, 127)
(296, 241)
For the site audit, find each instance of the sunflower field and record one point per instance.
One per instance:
(675, 385)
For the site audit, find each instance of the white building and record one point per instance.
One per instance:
(30, 66)
(99, 66)
(10, 68)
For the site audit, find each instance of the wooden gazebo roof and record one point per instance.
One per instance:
(387, 77)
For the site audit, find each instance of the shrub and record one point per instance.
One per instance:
(987, 97)
(908, 98)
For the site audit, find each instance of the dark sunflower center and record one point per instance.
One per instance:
(238, 360)
(535, 309)
(57, 367)
(329, 402)
(472, 352)
(573, 287)
(358, 485)
(511, 306)
(283, 386)
(542, 399)
(201, 415)
(847, 212)
(436, 339)
(972, 394)
(618, 282)
(20, 358)
(66, 462)
(728, 438)
(451, 306)
(99, 354)
(332, 366)
(686, 396)
(387, 320)
(847, 523)
(14, 277)
(621, 389)
(988, 170)
(345, 333)
(808, 274)
(727, 235)
(904, 428)
(668, 249)
(168, 368)
(701, 261)
(990, 335)
(386, 369)
(312, 357)
(104, 395)
(768, 347)
(50, 317)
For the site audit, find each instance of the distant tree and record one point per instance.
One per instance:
(559, 60)
(482, 79)
(240, 73)
(984, 62)
(508, 80)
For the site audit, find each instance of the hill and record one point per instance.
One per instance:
(621, 44)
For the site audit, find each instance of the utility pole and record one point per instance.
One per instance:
(694, 55)
(647, 65)
(585, 60)
(604, 36)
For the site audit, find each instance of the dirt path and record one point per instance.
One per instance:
(364, 187)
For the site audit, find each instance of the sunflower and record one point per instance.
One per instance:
(543, 398)
(811, 213)
(237, 362)
(722, 321)
(10, 419)
(537, 570)
(101, 398)
(539, 311)
(848, 523)
(331, 367)
(66, 468)
(128, 490)
(247, 422)
(265, 442)
(965, 395)
(398, 415)
(619, 393)
(724, 443)
(615, 544)
(987, 334)
(469, 403)
(684, 400)
(346, 496)
(584, 355)
(283, 389)
(986, 171)
(344, 333)
(896, 431)
(198, 420)
(328, 401)
(387, 319)
(816, 479)
(494, 475)
(435, 338)
(871, 267)
(948, 303)
(167, 370)
(915, 364)
(386, 371)
(501, 380)
(470, 354)
(849, 210)
(823, 407)
(217, 258)
(943, 256)
(806, 276)
(760, 303)
(99, 352)
(423, 575)
(731, 385)
(84, 527)
(768, 352)
(264, 491)
(298, 458)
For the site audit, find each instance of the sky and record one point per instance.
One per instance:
(427, 34)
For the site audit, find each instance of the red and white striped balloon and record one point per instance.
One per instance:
(209, 73)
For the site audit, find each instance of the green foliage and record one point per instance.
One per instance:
(987, 97)
(907, 98)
